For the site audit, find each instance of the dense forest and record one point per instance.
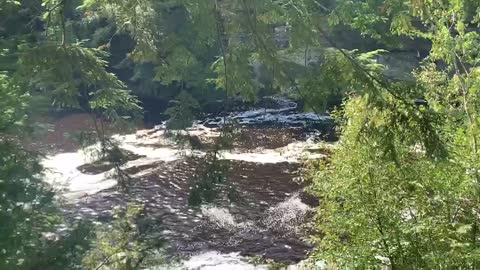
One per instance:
(308, 134)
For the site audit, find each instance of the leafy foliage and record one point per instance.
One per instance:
(123, 245)
(17, 170)
(182, 113)
(28, 209)
(211, 176)
(401, 190)
(67, 74)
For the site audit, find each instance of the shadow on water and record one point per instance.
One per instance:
(264, 221)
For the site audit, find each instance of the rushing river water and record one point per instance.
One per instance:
(267, 219)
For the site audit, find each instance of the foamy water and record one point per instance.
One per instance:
(153, 146)
(213, 260)
(286, 216)
(63, 174)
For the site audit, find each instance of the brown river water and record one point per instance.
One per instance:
(266, 218)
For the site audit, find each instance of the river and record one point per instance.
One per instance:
(266, 220)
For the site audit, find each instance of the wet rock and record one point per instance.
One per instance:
(95, 168)
(137, 169)
(399, 65)
(285, 253)
(309, 199)
(104, 165)
(274, 112)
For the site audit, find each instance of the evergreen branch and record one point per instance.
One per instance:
(382, 83)
(107, 259)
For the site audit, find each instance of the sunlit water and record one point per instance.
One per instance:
(62, 172)
(217, 261)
